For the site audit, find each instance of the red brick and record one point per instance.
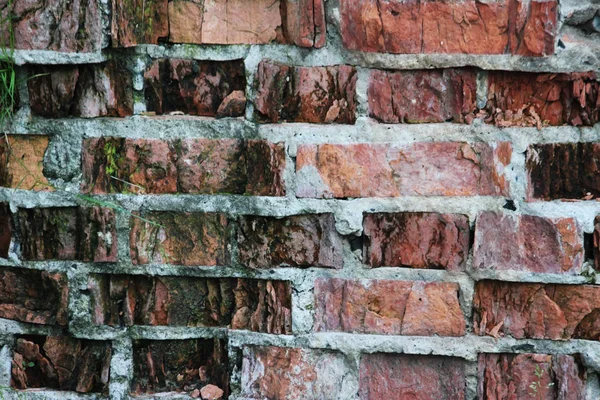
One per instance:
(420, 169)
(538, 311)
(179, 365)
(22, 162)
(256, 305)
(95, 90)
(73, 26)
(304, 22)
(296, 241)
(198, 166)
(179, 238)
(192, 87)
(139, 21)
(422, 96)
(34, 296)
(5, 229)
(470, 27)
(511, 376)
(557, 99)
(388, 307)
(528, 243)
(69, 233)
(306, 94)
(292, 373)
(61, 362)
(416, 240)
(403, 376)
(563, 171)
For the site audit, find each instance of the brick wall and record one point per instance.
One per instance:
(302, 199)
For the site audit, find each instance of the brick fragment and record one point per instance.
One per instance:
(403, 376)
(388, 307)
(34, 296)
(256, 305)
(292, 373)
(386, 170)
(417, 240)
(306, 94)
(61, 362)
(179, 365)
(528, 243)
(22, 162)
(538, 311)
(296, 241)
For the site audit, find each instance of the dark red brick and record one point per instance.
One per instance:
(296, 241)
(416, 240)
(511, 376)
(538, 311)
(596, 243)
(69, 233)
(563, 171)
(197, 166)
(430, 26)
(528, 243)
(179, 365)
(22, 162)
(179, 238)
(192, 87)
(403, 376)
(306, 94)
(422, 96)
(139, 21)
(61, 362)
(5, 229)
(388, 307)
(256, 305)
(34, 296)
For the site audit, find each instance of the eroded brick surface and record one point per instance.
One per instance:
(596, 243)
(539, 311)
(388, 307)
(503, 376)
(471, 27)
(528, 243)
(417, 240)
(422, 96)
(297, 241)
(196, 166)
(33, 296)
(61, 362)
(22, 162)
(5, 229)
(420, 169)
(139, 21)
(292, 373)
(256, 305)
(179, 365)
(305, 94)
(399, 376)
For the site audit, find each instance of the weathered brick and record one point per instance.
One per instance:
(68, 233)
(420, 169)
(34, 296)
(198, 166)
(296, 241)
(179, 365)
(66, 26)
(563, 171)
(22, 162)
(306, 94)
(557, 99)
(61, 362)
(5, 229)
(95, 90)
(292, 373)
(417, 240)
(388, 307)
(256, 305)
(179, 238)
(422, 96)
(528, 243)
(403, 376)
(538, 311)
(139, 21)
(511, 376)
(190, 86)
(596, 242)
(429, 26)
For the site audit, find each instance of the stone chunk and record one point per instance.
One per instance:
(22, 162)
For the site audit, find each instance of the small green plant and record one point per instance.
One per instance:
(536, 385)
(8, 76)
